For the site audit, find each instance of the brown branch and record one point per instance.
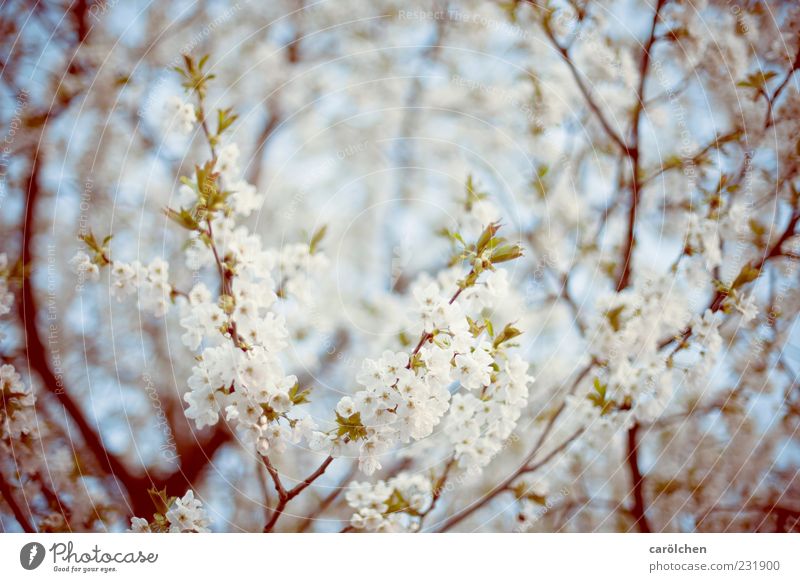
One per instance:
(526, 464)
(135, 487)
(633, 152)
(637, 482)
(718, 300)
(505, 485)
(328, 501)
(438, 489)
(7, 494)
(271, 124)
(587, 94)
(284, 496)
(769, 119)
(193, 461)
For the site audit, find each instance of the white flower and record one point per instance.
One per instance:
(472, 370)
(747, 307)
(371, 375)
(437, 361)
(370, 500)
(366, 402)
(186, 514)
(368, 461)
(706, 328)
(484, 213)
(203, 407)
(463, 407)
(346, 407)
(17, 415)
(277, 436)
(392, 364)
(199, 295)
(428, 297)
(139, 525)
(83, 266)
(228, 162)
(303, 429)
(359, 494)
(449, 316)
(703, 237)
(244, 198)
(182, 113)
(123, 280)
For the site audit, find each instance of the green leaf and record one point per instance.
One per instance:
(746, 275)
(486, 236)
(160, 499)
(317, 238)
(90, 241)
(598, 397)
(506, 253)
(351, 427)
(473, 193)
(298, 396)
(99, 250)
(183, 217)
(613, 316)
(225, 118)
(397, 503)
(508, 333)
(453, 236)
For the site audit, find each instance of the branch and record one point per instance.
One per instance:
(7, 494)
(284, 496)
(526, 466)
(328, 501)
(637, 482)
(438, 489)
(506, 484)
(135, 487)
(718, 300)
(633, 153)
(587, 95)
(770, 120)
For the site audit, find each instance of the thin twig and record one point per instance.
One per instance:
(284, 496)
(506, 484)
(328, 501)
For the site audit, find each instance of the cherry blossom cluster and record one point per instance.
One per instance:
(481, 421)
(239, 337)
(397, 403)
(181, 515)
(404, 395)
(238, 334)
(83, 265)
(395, 505)
(6, 297)
(636, 382)
(182, 114)
(17, 415)
(150, 283)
